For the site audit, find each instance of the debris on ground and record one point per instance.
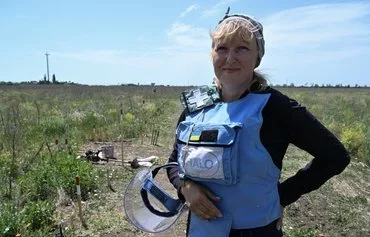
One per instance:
(143, 162)
(101, 155)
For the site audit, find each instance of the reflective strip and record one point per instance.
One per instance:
(78, 190)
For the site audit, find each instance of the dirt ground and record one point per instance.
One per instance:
(105, 214)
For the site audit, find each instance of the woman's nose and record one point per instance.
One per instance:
(231, 56)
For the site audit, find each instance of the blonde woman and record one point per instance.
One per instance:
(230, 153)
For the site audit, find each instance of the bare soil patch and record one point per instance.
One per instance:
(339, 208)
(104, 214)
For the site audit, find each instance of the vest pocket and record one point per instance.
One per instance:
(207, 152)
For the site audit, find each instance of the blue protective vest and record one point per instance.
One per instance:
(252, 200)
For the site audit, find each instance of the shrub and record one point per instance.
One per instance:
(9, 219)
(68, 168)
(37, 214)
(42, 181)
(35, 217)
(353, 139)
(53, 127)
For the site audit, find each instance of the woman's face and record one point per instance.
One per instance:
(234, 61)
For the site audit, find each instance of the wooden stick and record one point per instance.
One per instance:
(123, 161)
(156, 137)
(79, 202)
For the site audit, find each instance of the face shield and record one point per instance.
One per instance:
(147, 205)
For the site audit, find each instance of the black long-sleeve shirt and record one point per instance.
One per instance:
(285, 121)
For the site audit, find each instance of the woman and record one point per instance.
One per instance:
(230, 153)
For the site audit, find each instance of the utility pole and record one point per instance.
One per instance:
(47, 64)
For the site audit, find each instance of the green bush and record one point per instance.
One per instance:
(353, 139)
(53, 127)
(128, 127)
(357, 143)
(68, 168)
(35, 219)
(10, 221)
(42, 181)
(37, 214)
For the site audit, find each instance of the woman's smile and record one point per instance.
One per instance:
(231, 70)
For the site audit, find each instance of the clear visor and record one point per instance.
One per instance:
(148, 207)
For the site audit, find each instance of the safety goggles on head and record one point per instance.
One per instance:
(254, 27)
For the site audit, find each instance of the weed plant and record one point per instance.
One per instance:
(36, 162)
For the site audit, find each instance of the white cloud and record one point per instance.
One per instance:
(317, 44)
(184, 35)
(297, 40)
(103, 56)
(184, 60)
(189, 9)
(217, 10)
(185, 41)
(319, 32)
(319, 23)
(168, 65)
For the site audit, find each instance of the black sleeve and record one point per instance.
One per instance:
(172, 173)
(307, 133)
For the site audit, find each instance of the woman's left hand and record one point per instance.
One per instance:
(279, 223)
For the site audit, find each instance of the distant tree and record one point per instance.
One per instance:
(43, 81)
(7, 83)
(54, 79)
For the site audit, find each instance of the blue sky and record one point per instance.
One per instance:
(167, 42)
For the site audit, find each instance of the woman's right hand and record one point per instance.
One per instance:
(199, 199)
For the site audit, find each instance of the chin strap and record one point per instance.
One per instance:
(173, 205)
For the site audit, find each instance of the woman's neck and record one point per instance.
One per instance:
(231, 93)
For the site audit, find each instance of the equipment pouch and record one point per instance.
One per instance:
(208, 152)
(199, 98)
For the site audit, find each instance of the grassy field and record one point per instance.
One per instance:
(44, 128)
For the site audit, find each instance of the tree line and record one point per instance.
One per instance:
(43, 81)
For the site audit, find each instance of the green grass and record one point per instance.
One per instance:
(38, 176)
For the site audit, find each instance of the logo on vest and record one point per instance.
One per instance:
(203, 165)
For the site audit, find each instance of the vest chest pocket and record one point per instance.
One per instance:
(208, 152)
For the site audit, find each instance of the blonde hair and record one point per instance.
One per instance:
(229, 29)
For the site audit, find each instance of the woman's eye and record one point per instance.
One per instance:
(221, 49)
(243, 49)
